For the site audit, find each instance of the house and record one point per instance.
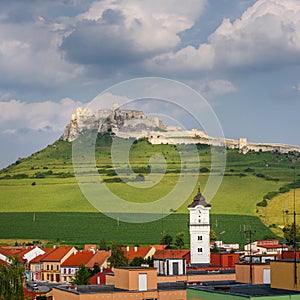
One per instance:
(271, 246)
(51, 263)
(136, 283)
(70, 266)
(171, 262)
(100, 258)
(138, 251)
(35, 269)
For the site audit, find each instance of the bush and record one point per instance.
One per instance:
(284, 189)
(249, 170)
(33, 183)
(259, 175)
(204, 170)
(270, 195)
(262, 203)
(20, 176)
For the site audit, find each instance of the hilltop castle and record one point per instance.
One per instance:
(136, 124)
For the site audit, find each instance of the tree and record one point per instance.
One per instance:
(179, 240)
(166, 240)
(103, 245)
(288, 232)
(82, 276)
(11, 280)
(213, 236)
(117, 257)
(137, 261)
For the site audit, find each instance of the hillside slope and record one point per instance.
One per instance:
(40, 194)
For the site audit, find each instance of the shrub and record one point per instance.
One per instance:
(260, 175)
(249, 170)
(262, 203)
(33, 183)
(284, 189)
(204, 170)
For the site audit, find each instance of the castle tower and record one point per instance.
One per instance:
(199, 230)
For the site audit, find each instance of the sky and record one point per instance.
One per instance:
(242, 56)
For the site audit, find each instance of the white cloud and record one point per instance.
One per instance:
(266, 35)
(45, 116)
(29, 55)
(123, 32)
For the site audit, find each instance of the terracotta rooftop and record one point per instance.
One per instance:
(58, 254)
(199, 200)
(136, 251)
(78, 258)
(40, 257)
(169, 253)
(99, 257)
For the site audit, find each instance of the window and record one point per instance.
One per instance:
(199, 237)
(199, 250)
(199, 220)
(47, 267)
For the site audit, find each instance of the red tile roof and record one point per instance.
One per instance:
(58, 254)
(132, 252)
(78, 258)
(161, 254)
(40, 257)
(100, 257)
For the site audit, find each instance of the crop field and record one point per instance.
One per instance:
(41, 200)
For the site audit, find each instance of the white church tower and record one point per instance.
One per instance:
(199, 230)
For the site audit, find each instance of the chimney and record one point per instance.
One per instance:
(75, 252)
(127, 248)
(135, 248)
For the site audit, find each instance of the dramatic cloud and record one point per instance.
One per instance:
(266, 36)
(127, 32)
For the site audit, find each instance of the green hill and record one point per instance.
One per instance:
(40, 198)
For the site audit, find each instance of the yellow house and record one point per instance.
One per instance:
(51, 263)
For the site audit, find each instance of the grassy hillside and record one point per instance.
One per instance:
(39, 195)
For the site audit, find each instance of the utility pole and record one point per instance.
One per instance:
(251, 233)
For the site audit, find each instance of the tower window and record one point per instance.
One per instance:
(199, 250)
(199, 220)
(199, 237)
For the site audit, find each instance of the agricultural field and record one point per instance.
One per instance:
(40, 197)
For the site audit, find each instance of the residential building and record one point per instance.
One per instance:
(51, 263)
(265, 247)
(171, 262)
(136, 283)
(138, 251)
(70, 266)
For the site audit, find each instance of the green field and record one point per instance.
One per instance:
(40, 198)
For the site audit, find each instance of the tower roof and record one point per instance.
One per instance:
(199, 200)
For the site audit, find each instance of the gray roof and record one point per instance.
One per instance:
(199, 200)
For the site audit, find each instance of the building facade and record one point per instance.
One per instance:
(199, 227)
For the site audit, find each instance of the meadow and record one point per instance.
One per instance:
(40, 198)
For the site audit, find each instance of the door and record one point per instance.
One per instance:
(175, 268)
(142, 282)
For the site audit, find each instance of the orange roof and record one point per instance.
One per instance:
(78, 258)
(100, 257)
(137, 251)
(40, 257)
(159, 247)
(58, 254)
(161, 254)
